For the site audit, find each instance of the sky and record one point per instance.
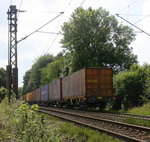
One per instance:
(39, 12)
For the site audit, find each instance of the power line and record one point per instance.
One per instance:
(30, 11)
(142, 19)
(56, 28)
(52, 43)
(11, 2)
(131, 15)
(82, 3)
(50, 37)
(39, 28)
(20, 4)
(47, 32)
(20, 7)
(133, 25)
(128, 6)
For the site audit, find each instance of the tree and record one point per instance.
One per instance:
(52, 71)
(2, 77)
(95, 38)
(3, 93)
(131, 88)
(28, 82)
(20, 91)
(40, 63)
(32, 78)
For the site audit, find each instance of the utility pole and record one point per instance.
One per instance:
(12, 69)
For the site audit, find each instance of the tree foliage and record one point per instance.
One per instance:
(131, 88)
(28, 83)
(41, 62)
(32, 78)
(95, 38)
(52, 71)
(3, 93)
(2, 77)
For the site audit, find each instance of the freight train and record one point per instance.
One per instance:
(84, 88)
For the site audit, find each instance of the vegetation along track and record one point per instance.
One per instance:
(121, 130)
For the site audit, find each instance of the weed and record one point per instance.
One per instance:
(137, 121)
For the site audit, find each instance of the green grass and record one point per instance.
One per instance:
(74, 133)
(136, 121)
(143, 110)
(82, 134)
(20, 122)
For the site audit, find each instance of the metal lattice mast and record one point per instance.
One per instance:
(12, 69)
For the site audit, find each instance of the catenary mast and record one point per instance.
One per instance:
(12, 69)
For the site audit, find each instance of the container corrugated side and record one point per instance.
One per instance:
(73, 86)
(27, 97)
(55, 92)
(32, 98)
(44, 93)
(106, 82)
(38, 96)
(99, 82)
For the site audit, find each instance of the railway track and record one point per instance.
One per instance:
(121, 130)
(118, 116)
(144, 117)
(111, 116)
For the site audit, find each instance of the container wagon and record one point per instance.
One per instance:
(44, 94)
(28, 97)
(38, 95)
(55, 92)
(33, 97)
(88, 87)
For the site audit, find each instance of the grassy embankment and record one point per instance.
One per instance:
(21, 123)
(143, 110)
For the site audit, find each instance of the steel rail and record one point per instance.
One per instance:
(122, 136)
(145, 117)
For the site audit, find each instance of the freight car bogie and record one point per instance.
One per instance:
(85, 103)
(54, 103)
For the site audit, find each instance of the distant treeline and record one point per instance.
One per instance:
(94, 38)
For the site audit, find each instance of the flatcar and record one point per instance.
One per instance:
(84, 88)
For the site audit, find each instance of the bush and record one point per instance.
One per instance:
(3, 93)
(131, 87)
(22, 123)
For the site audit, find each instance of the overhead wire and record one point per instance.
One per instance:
(11, 2)
(56, 28)
(82, 3)
(20, 4)
(133, 25)
(141, 31)
(40, 27)
(19, 8)
(42, 11)
(131, 15)
(128, 6)
(52, 42)
(47, 32)
(50, 39)
(142, 19)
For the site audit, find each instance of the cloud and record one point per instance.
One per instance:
(4, 35)
(141, 45)
(39, 43)
(145, 23)
(3, 63)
